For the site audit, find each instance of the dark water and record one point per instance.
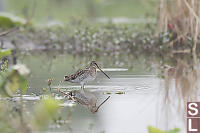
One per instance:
(137, 94)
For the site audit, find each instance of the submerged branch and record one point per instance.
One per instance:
(8, 31)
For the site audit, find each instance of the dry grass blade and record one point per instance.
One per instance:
(180, 17)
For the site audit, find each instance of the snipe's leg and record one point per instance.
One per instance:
(82, 86)
(50, 88)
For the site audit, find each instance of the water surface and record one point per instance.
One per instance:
(137, 95)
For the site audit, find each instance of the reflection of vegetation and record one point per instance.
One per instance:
(182, 82)
(180, 20)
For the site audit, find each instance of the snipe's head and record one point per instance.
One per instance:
(94, 108)
(94, 64)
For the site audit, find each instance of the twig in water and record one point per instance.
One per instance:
(8, 31)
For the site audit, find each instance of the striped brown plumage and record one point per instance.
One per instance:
(84, 75)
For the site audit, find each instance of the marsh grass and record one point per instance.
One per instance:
(181, 85)
(182, 18)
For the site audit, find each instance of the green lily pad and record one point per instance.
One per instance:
(9, 20)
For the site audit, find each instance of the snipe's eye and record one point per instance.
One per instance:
(66, 77)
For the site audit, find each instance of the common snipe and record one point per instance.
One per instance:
(84, 75)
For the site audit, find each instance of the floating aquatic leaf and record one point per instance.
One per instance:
(119, 92)
(108, 92)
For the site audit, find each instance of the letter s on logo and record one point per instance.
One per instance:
(193, 108)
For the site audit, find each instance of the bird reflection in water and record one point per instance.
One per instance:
(85, 98)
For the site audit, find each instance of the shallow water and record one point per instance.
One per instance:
(136, 96)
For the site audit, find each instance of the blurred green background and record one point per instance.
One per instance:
(64, 10)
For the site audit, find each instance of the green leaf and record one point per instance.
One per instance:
(2, 85)
(10, 81)
(4, 53)
(23, 84)
(156, 130)
(9, 20)
(44, 112)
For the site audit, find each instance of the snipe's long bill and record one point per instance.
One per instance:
(84, 75)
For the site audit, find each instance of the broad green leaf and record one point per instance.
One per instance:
(9, 20)
(12, 81)
(2, 85)
(4, 53)
(44, 112)
(156, 130)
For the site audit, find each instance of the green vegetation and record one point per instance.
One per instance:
(178, 34)
(4, 53)
(182, 19)
(14, 118)
(13, 78)
(156, 130)
(64, 10)
(8, 20)
(44, 112)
